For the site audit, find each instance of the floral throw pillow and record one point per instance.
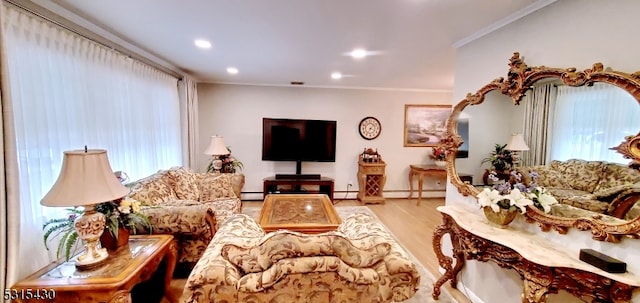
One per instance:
(214, 186)
(184, 183)
(154, 192)
(287, 244)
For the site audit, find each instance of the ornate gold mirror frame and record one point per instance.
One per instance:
(520, 78)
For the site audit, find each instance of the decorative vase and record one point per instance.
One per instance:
(441, 163)
(501, 218)
(110, 243)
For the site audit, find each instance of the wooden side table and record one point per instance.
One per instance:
(371, 179)
(111, 282)
(421, 171)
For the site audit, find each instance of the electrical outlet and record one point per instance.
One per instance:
(350, 183)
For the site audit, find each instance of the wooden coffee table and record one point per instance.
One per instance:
(307, 213)
(111, 282)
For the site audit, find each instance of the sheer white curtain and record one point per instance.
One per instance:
(69, 92)
(9, 187)
(188, 89)
(590, 120)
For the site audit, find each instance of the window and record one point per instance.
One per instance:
(68, 92)
(589, 120)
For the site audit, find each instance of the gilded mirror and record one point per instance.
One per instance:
(610, 222)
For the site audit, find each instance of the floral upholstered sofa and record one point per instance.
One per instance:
(598, 186)
(360, 262)
(188, 205)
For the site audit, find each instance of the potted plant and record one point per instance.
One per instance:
(121, 215)
(501, 158)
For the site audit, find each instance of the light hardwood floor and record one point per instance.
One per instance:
(413, 226)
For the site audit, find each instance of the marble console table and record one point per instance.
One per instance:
(544, 266)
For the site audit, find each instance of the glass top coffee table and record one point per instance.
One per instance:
(307, 213)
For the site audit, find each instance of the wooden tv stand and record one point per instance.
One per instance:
(273, 185)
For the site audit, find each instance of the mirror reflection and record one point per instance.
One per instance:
(568, 132)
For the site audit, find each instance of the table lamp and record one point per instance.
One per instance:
(216, 148)
(86, 179)
(516, 144)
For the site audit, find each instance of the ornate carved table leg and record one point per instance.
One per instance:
(420, 179)
(171, 258)
(621, 293)
(533, 292)
(536, 281)
(411, 174)
(122, 296)
(451, 271)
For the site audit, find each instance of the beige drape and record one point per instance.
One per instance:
(189, 109)
(536, 123)
(9, 191)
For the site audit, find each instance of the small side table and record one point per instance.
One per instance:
(466, 178)
(421, 171)
(371, 179)
(111, 282)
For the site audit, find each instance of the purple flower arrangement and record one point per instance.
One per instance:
(516, 193)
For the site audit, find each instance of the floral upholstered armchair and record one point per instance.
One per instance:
(360, 262)
(188, 205)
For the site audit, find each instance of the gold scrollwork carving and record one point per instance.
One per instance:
(520, 78)
(538, 280)
(630, 149)
(121, 296)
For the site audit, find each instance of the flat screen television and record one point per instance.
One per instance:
(298, 140)
(463, 131)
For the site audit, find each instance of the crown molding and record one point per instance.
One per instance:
(503, 22)
(72, 21)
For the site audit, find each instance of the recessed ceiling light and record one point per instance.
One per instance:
(201, 43)
(232, 70)
(336, 75)
(358, 53)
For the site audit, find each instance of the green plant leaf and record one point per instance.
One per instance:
(54, 231)
(112, 225)
(71, 242)
(67, 241)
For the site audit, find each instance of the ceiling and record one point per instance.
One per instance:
(274, 42)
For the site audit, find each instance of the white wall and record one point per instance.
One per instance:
(567, 33)
(236, 112)
(491, 122)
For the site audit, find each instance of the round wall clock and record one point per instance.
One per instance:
(369, 128)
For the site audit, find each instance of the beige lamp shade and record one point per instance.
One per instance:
(86, 178)
(517, 143)
(217, 147)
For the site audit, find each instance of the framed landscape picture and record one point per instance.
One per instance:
(425, 124)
